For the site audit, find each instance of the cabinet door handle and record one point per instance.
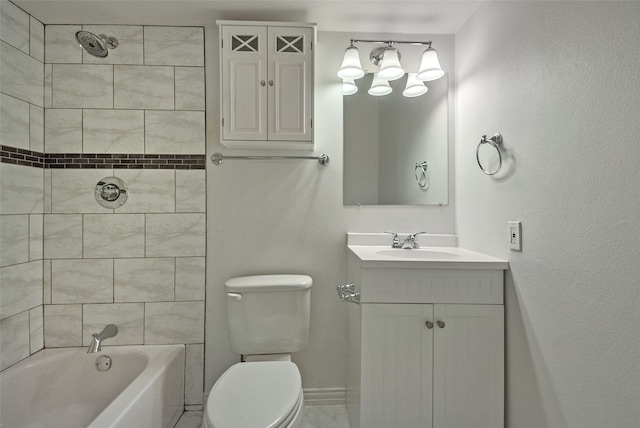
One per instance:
(429, 325)
(270, 82)
(263, 83)
(440, 324)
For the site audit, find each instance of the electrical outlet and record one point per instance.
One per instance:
(515, 235)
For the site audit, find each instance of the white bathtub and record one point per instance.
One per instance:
(62, 388)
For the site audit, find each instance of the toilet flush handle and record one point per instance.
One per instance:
(236, 296)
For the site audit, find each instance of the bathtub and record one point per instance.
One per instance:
(143, 388)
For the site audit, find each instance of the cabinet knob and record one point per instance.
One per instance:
(429, 325)
(263, 83)
(270, 82)
(440, 324)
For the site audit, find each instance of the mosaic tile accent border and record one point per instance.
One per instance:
(24, 157)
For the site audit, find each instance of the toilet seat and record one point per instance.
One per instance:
(264, 394)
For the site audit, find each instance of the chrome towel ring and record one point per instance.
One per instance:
(496, 143)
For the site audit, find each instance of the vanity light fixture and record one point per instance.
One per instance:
(430, 66)
(388, 59)
(349, 87)
(414, 87)
(379, 86)
(351, 67)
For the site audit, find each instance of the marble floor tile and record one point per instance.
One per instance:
(325, 417)
(314, 417)
(190, 420)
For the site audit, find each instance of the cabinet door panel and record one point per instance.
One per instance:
(244, 63)
(396, 366)
(469, 366)
(291, 71)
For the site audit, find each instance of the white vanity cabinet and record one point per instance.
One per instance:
(266, 85)
(426, 345)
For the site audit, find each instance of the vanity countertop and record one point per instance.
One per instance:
(435, 252)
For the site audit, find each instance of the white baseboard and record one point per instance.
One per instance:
(324, 396)
(319, 397)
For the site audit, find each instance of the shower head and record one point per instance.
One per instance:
(96, 45)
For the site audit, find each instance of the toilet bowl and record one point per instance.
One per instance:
(260, 394)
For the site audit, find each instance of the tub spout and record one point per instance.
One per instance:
(97, 338)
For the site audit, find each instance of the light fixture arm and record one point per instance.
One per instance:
(390, 43)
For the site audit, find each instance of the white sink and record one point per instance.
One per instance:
(425, 257)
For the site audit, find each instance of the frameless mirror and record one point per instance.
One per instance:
(395, 147)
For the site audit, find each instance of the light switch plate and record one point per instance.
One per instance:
(515, 235)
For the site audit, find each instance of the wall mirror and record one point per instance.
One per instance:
(395, 147)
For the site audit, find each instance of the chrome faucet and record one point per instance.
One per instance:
(96, 343)
(411, 241)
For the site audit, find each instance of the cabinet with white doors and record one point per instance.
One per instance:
(426, 347)
(266, 71)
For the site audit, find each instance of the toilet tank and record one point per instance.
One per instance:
(268, 314)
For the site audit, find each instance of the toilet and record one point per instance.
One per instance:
(268, 317)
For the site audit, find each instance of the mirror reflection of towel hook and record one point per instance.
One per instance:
(421, 174)
(496, 143)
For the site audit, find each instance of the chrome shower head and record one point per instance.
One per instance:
(96, 45)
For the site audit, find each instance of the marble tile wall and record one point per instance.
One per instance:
(69, 266)
(21, 184)
(139, 115)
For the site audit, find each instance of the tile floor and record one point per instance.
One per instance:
(314, 417)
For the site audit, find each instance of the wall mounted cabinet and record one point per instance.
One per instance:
(266, 85)
(426, 347)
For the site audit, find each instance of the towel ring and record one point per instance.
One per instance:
(496, 143)
(420, 172)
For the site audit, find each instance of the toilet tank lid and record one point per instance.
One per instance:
(264, 283)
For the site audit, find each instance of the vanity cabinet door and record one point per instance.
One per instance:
(468, 366)
(396, 371)
(432, 366)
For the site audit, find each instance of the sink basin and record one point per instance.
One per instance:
(421, 254)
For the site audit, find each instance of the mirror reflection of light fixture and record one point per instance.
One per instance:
(388, 59)
(414, 87)
(351, 67)
(430, 66)
(379, 86)
(349, 87)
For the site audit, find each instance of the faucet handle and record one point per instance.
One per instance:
(396, 240)
(413, 238)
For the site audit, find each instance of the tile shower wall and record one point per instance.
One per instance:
(21, 184)
(69, 266)
(137, 114)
